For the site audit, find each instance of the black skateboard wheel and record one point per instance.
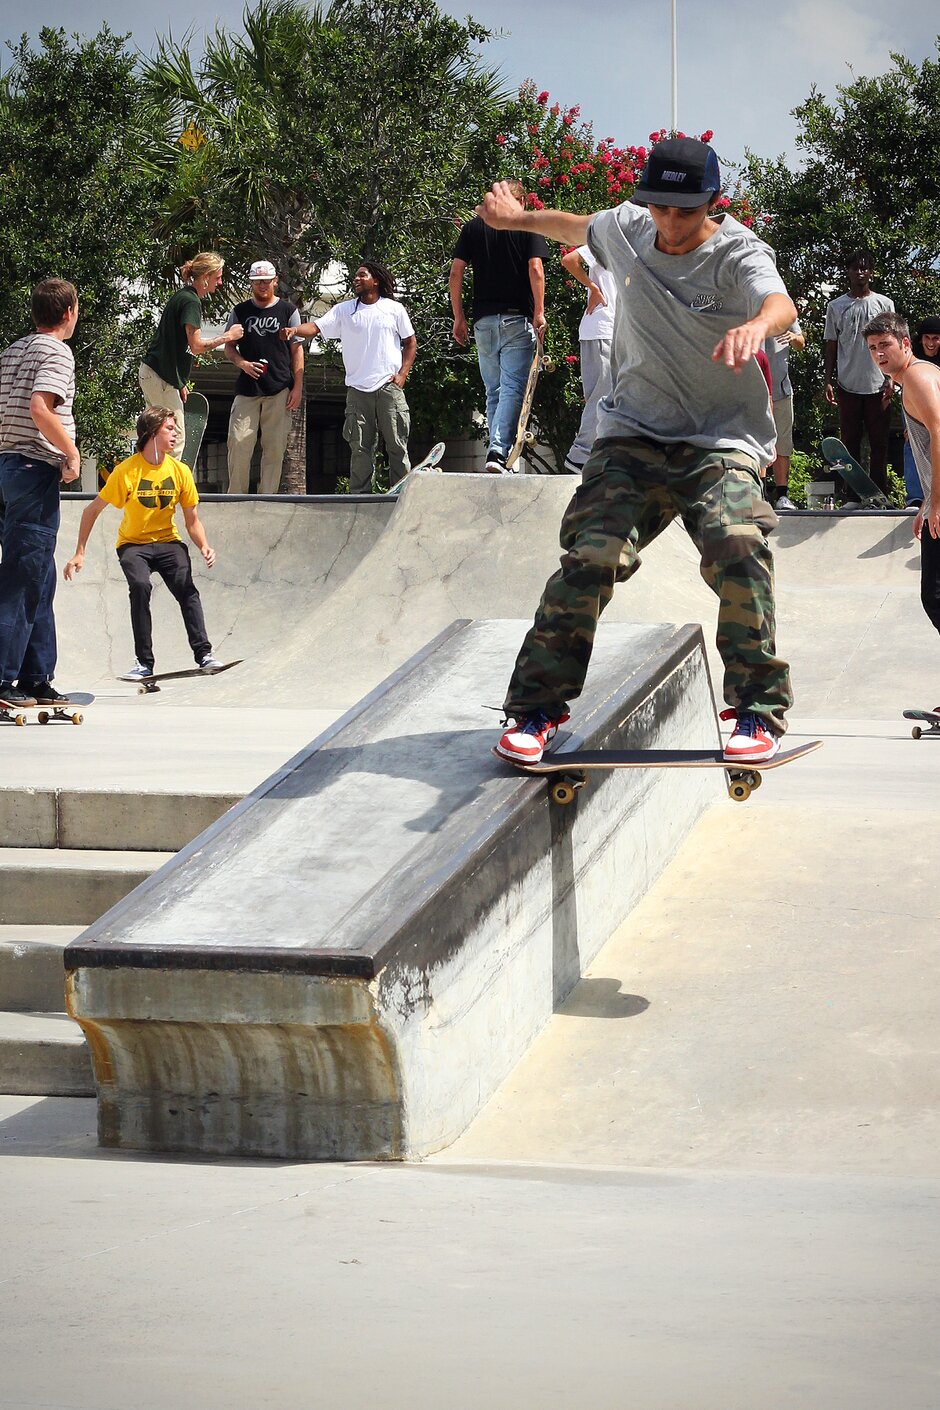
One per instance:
(916, 732)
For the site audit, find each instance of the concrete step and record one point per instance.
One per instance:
(32, 975)
(108, 818)
(45, 1055)
(41, 886)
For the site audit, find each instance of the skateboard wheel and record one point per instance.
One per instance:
(563, 793)
(77, 718)
(916, 732)
(755, 780)
(43, 717)
(19, 719)
(740, 791)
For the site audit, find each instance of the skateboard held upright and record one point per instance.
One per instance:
(859, 482)
(524, 436)
(195, 418)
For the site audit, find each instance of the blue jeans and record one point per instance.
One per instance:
(29, 523)
(505, 348)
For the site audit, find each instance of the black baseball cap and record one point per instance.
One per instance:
(679, 172)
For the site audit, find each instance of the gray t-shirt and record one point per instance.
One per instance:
(845, 319)
(37, 363)
(671, 312)
(778, 357)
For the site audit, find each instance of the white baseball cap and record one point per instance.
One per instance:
(262, 269)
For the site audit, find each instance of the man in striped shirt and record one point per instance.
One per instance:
(37, 454)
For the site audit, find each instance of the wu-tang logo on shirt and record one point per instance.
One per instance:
(153, 496)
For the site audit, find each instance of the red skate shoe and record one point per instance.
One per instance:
(525, 742)
(752, 741)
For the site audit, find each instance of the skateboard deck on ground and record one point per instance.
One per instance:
(931, 718)
(523, 436)
(432, 461)
(69, 711)
(148, 685)
(859, 482)
(575, 767)
(195, 417)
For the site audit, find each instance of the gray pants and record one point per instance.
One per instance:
(595, 379)
(368, 414)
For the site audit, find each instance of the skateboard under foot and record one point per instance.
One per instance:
(574, 769)
(931, 718)
(68, 711)
(148, 685)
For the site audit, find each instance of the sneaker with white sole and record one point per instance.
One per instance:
(495, 463)
(211, 663)
(752, 740)
(137, 672)
(783, 502)
(525, 742)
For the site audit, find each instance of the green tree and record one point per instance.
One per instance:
(75, 204)
(871, 180)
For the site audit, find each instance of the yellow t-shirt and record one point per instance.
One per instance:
(149, 494)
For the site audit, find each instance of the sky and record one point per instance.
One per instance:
(743, 65)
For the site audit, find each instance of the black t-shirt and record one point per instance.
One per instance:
(500, 260)
(261, 338)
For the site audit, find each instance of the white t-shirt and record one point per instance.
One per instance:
(371, 337)
(600, 323)
(845, 318)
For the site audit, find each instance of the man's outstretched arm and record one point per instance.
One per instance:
(501, 210)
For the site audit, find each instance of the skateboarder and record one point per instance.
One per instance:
(37, 453)
(889, 343)
(167, 363)
(508, 317)
(148, 488)
(685, 432)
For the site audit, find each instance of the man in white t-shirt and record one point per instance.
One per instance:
(594, 334)
(379, 347)
(853, 382)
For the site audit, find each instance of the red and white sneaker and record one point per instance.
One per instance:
(752, 740)
(525, 742)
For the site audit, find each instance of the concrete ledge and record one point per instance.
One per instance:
(43, 1054)
(32, 975)
(39, 886)
(91, 819)
(348, 963)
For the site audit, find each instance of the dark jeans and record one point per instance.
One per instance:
(29, 523)
(858, 412)
(930, 576)
(171, 561)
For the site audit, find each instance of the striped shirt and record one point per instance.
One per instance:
(36, 363)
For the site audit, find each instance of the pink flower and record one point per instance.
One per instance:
(707, 136)
(555, 109)
(545, 181)
(567, 119)
(570, 357)
(533, 127)
(542, 98)
(500, 140)
(641, 153)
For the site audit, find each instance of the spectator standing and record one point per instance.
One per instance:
(852, 379)
(926, 341)
(37, 454)
(269, 385)
(777, 351)
(508, 316)
(594, 335)
(148, 487)
(379, 347)
(168, 362)
(889, 344)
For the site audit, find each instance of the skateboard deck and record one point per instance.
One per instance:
(523, 435)
(575, 767)
(931, 718)
(195, 418)
(68, 711)
(431, 461)
(148, 685)
(859, 482)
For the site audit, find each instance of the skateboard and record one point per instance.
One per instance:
(574, 768)
(432, 461)
(524, 437)
(148, 685)
(69, 711)
(931, 719)
(195, 417)
(870, 496)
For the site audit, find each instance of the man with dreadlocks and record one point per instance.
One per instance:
(379, 347)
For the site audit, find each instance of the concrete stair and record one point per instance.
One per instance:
(66, 857)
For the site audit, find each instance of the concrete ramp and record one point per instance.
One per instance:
(349, 962)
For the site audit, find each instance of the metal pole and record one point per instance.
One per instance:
(675, 70)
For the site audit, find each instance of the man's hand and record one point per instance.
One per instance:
(400, 378)
(184, 393)
(887, 392)
(595, 299)
(75, 565)
(294, 397)
(461, 332)
(233, 334)
(739, 345)
(252, 369)
(540, 323)
(71, 469)
(209, 555)
(831, 397)
(500, 208)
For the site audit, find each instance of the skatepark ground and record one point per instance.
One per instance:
(711, 1184)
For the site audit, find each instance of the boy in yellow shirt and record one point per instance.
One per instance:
(148, 488)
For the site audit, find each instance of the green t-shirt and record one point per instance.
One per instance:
(169, 354)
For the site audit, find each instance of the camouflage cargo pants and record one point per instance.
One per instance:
(631, 490)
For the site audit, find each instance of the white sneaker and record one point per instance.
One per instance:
(784, 502)
(137, 672)
(211, 663)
